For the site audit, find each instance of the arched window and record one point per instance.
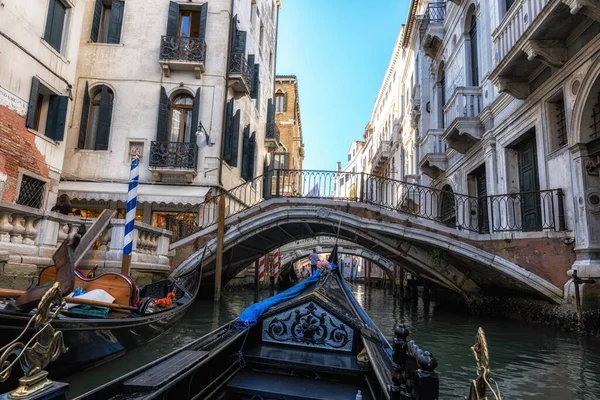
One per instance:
(448, 206)
(280, 101)
(180, 128)
(474, 55)
(96, 116)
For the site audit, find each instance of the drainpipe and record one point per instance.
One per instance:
(224, 120)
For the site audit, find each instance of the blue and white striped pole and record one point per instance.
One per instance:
(134, 176)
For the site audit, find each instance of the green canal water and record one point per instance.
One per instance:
(528, 361)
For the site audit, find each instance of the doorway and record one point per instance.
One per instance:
(529, 184)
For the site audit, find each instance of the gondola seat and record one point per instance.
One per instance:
(274, 386)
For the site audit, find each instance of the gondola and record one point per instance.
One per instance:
(99, 334)
(312, 341)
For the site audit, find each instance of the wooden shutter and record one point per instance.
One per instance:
(54, 24)
(173, 19)
(252, 156)
(104, 119)
(203, 15)
(33, 98)
(57, 116)
(227, 134)
(256, 84)
(195, 115)
(96, 21)
(251, 71)
(235, 139)
(285, 97)
(245, 152)
(239, 44)
(270, 112)
(116, 21)
(49, 20)
(85, 111)
(162, 128)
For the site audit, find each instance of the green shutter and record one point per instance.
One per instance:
(173, 19)
(203, 16)
(85, 111)
(104, 119)
(227, 132)
(116, 21)
(252, 156)
(57, 116)
(49, 20)
(235, 138)
(162, 127)
(245, 152)
(239, 44)
(256, 84)
(195, 115)
(33, 98)
(96, 21)
(270, 111)
(285, 96)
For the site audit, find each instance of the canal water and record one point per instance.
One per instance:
(528, 361)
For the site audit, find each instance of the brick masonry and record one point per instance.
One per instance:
(17, 150)
(289, 123)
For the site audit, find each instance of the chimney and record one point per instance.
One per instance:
(338, 166)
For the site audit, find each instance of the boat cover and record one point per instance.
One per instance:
(250, 315)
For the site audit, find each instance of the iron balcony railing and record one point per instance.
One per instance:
(434, 14)
(173, 155)
(238, 64)
(182, 48)
(532, 211)
(272, 132)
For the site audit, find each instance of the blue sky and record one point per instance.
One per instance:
(339, 50)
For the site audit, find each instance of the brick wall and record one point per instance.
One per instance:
(290, 133)
(17, 150)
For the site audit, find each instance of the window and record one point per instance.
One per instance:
(96, 116)
(47, 112)
(270, 60)
(508, 4)
(349, 157)
(557, 125)
(261, 36)
(189, 23)
(107, 22)
(180, 128)
(279, 160)
(474, 56)
(55, 24)
(31, 192)
(448, 207)
(280, 102)
(442, 95)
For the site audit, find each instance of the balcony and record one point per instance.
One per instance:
(415, 106)
(182, 54)
(382, 156)
(173, 162)
(432, 28)
(272, 135)
(240, 75)
(461, 117)
(535, 35)
(434, 161)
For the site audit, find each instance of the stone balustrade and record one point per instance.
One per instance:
(465, 102)
(29, 237)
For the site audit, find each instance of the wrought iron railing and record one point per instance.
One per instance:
(491, 214)
(173, 155)
(272, 132)
(182, 48)
(238, 64)
(435, 13)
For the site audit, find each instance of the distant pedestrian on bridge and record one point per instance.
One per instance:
(314, 259)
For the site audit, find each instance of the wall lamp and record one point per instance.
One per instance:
(209, 140)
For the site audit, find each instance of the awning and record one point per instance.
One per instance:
(147, 193)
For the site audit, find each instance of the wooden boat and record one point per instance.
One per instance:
(134, 317)
(312, 341)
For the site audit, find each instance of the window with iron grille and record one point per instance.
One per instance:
(557, 123)
(595, 133)
(32, 192)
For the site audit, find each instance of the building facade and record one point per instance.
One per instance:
(39, 47)
(498, 110)
(182, 85)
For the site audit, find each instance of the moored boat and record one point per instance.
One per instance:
(312, 341)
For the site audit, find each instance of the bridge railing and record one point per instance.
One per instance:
(532, 211)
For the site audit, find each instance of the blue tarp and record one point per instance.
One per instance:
(250, 315)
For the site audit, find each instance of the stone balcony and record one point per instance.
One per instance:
(536, 34)
(179, 53)
(240, 75)
(433, 148)
(173, 162)
(461, 118)
(383, 153)
(432, 28)
(30, 236)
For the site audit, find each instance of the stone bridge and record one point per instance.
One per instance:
(463, 261)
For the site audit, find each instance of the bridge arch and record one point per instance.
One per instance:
(432, 251)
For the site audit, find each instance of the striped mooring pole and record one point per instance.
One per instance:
(134, 176)
(261, 269)
(275, 267)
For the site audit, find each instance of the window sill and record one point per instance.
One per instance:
(42, 136)
(106, 44)
(53, 50)
(91, 151)
(556, 152)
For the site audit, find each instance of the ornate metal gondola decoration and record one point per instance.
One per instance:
(480, 384)
(48, 346)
